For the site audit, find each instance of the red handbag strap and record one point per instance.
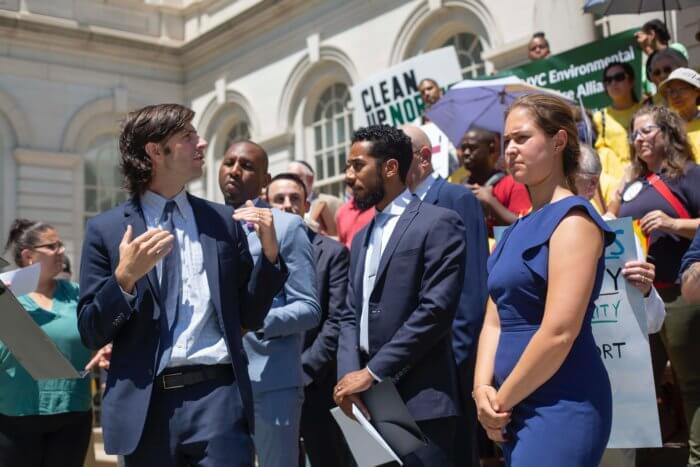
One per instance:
(663, 189)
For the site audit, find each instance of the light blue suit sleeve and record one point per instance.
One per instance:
(301, 310)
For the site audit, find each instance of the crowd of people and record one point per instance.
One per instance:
(228, 332)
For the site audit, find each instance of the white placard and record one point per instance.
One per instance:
(23, 280)
(392, 98)
(367, 446)
(441, 149)
(620, 332)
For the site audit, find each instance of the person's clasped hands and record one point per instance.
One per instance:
(491, 416)
(261, 220)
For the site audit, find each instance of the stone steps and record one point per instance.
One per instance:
(96, 456)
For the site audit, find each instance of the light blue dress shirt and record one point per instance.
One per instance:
(424, 187)
(394, 209)
(197, 337)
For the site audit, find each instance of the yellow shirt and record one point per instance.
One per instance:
(612, 144)
(607, 188)
(458, 175)
(693, 130)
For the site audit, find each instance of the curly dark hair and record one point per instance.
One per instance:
(387, 143)
(552, 114)
(151, 124)
(677, 152)
(659, 28)
(24, 234)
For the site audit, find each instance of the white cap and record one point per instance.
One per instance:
(687, 75)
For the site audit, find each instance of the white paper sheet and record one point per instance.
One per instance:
(23, 280)
(367, 446)
(30, 345)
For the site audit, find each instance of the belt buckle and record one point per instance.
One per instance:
(167, 386)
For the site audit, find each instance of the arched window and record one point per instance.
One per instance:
(332, 129)
(239, 132)
(102, 176)
(469, 48)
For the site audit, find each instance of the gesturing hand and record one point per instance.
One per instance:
(138, 256)
(261, 220)
(101, 358)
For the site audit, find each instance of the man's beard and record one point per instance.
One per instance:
(374, 195)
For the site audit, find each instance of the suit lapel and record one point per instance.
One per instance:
(317, 243)
(210, 253)
(401, 227)
(133, 215)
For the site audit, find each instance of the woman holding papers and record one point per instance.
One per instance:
(45, 423)
(540, 385)
(664, 197)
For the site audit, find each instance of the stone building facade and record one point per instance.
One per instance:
(277, 71)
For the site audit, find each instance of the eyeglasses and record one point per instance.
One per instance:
(665, 70)
(55, 246)
(644, 131)
(619, 77)
(669, 91)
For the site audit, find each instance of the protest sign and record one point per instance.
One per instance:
(392, 98)
(440, 147)
(620, 331)
(578, 73)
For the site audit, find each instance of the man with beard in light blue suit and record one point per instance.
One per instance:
(274, 351)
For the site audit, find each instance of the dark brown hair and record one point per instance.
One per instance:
(24, 234)
(287, 176)
(677, 152)
(151, 124)
(552, 114)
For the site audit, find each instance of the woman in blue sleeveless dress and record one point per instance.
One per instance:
(540, 386)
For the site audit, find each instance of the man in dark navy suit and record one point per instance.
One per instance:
(433, 189)
(169, 280)
(323, 441)
(406, 272)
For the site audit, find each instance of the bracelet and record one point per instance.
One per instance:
(477, 387)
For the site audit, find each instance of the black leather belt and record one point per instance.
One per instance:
(179, 377)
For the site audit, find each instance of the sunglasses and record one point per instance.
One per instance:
(619, 77)
(665, 70)
(55, 246)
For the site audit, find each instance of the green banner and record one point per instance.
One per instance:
(578, 72)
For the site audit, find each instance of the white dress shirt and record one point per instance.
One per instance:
(197, 338)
